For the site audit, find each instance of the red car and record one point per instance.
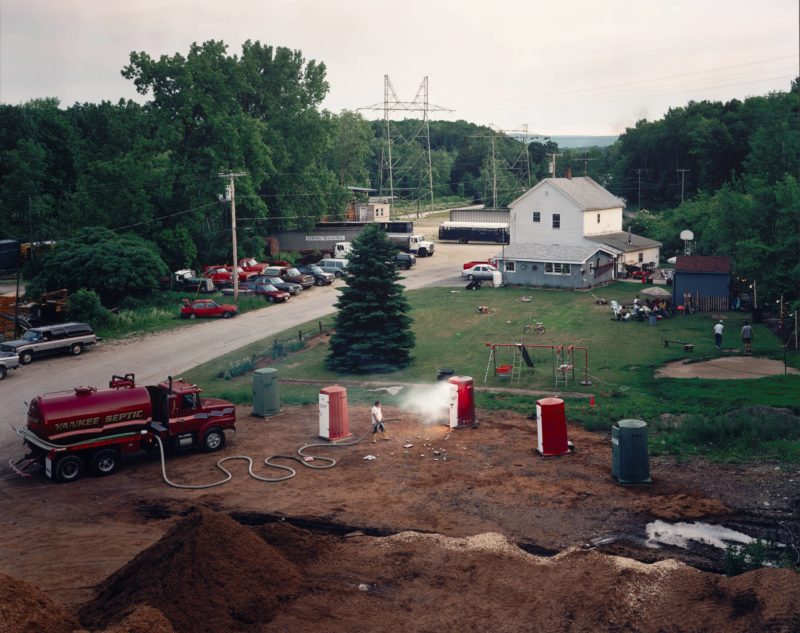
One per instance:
(270, 293)
(222, 276)
(207, 308)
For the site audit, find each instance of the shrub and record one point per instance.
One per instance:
(84, 305)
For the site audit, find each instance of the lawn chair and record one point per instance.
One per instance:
(616, 310)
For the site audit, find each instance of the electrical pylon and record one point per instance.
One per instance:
(404, 165)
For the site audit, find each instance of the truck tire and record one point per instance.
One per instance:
(26, 357)
(319, 282)
(105, 462)
(423, 252)
(75, 349)
(68, 469)
(3, 371)
(337, 274)
(463, 241)
(213, 440)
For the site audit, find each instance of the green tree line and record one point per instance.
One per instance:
(727, 170)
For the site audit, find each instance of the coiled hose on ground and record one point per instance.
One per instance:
(305, 460)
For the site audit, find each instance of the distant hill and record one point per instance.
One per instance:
(584, 141)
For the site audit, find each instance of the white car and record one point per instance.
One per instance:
(479, 271)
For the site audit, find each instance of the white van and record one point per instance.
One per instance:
(333, 265)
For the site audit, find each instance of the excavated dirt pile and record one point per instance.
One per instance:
(24, 607)
(207, 574)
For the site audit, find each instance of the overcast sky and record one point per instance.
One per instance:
(569, 67)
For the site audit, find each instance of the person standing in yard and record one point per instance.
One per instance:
(747, 337)
(376, 416)
(718, 334)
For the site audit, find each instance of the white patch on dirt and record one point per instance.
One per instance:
(680, 534)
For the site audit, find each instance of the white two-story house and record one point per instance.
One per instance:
(567, 233)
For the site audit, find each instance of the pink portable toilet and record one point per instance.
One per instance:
(334, 420)
(462, 402)
(551, 427)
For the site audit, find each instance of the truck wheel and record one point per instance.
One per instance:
(76, 349)
(462, 241)
(68, 469)
(423, 252)
(26, 357)
(213, 440)
(105, 461)
(3, 371)
(319, 282)
(470, 277)
(337, 274)
(226, 315)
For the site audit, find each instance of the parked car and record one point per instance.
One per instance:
(287, 286)
(405, 260)
(334, 265)
(8, 360)
(222, 276)
(71, 338)
(270, 293)
(321, 278)
(289, 274)
(207, 308)
(479, 271)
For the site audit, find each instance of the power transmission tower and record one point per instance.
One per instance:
(408, 161)
(682, 172)
(231, 191)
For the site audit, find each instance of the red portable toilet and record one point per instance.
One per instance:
(462, 402)
(334, 420)
(551, 427)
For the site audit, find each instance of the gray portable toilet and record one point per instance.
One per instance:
(266, 393)
(630, 461)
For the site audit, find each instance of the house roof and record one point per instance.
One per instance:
(619, 241)
(703, 264)
(584, 191)
(565, 253)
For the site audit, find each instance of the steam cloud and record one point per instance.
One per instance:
(431, 404)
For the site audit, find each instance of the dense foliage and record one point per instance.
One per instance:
(372, 328)
(728, 171)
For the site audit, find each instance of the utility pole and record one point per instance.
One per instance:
(231, 176)
(494, 177)
(639, 175)
(553, 163)
(682, 172)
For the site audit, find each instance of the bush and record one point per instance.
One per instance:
(84, 305)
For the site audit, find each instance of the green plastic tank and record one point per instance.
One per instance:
(630, 460)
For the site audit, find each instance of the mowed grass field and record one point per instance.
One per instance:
(452, 333)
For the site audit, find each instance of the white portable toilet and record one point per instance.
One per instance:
(497, 279)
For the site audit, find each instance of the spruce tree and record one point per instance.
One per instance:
(372, 327)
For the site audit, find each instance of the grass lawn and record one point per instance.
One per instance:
(622, 357)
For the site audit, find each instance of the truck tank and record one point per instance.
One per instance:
(87, 413)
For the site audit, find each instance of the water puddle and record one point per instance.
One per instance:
(684, 534)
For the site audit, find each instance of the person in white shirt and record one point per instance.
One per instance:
(376, 416)
(718, 334)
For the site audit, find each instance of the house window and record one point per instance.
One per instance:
(556, 220)
(537, 216)
(511, 267)
(598, 218)
(641, 257)
(556, 268)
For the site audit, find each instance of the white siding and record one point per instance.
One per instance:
(547, 200)
(610, 221)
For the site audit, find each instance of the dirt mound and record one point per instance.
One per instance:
(24, 607)
(298, 545)
(208, 573)
(144, 619)
(427, 582)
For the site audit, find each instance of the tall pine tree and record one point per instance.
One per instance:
(373, 328)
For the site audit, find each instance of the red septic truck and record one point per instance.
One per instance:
(91, 429)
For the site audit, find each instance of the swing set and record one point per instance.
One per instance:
(563, 362)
